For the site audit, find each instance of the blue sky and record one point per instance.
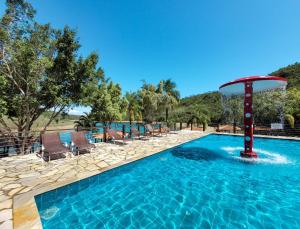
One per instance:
(199, 44)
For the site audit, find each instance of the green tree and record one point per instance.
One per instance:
(292, 103)
(233, 110)
(211, 100)
(170, 87)
(198, 114)
(168, 96)
(290, 120)
(85, 121)
(148, 99)
(133, 109)
(107, 103)
(268, 107)
(41, 71)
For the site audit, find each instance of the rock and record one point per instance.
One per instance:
(6, 204)
(14, 191)
(5, 215)
(50, 173)
(102, 164)
(32, 181)
(6, 179)
(11, 186)
(29, 175)
(26, 190)
(6, 225)
(3, 197)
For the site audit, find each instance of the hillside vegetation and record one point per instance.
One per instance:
(291, 73)
(266, 105)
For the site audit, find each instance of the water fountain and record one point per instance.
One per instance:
(247, 86)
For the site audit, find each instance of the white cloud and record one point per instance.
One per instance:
(74, 112)
(79, 110)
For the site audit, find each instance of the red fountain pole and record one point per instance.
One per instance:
(248, 122)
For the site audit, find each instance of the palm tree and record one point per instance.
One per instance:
(85, 121)
(133, 108)
(168, 102)
(170, 88)
(148, 101)
(169, 96)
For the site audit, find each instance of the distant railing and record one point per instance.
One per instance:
(12, 144)
(259, 129)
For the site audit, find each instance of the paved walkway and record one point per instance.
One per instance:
(22, 177)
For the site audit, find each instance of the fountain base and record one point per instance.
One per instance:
(248, 154)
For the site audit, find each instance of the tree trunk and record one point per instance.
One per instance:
(123, 130)
(104, 132)
(21, 141)
(167, 115)
(234, 126)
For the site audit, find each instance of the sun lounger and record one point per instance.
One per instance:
(166, 130)
(52, 148)
(82, 145)
(152, 131)
(135, 134)
(116, 137)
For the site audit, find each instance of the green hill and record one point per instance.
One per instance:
(212, 100)
(292, 73)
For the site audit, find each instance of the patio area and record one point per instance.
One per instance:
(22, 177)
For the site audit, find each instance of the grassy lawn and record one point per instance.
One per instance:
(60, 123)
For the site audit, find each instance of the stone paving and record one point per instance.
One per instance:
(22, 177)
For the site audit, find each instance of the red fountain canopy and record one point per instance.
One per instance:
(260, 83)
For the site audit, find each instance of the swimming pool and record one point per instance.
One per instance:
(202, 183)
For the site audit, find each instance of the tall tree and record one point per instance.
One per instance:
(148, 99)
(268, 107)
(169, 96)
(85, 121)
(107, 103)
(233, 112)
(41, 71)
(292, 103)
(133, 109)
(170, 87)
(197, 113)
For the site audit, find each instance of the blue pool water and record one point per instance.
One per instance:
(201, 184)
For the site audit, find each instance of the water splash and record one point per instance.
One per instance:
(264, 156)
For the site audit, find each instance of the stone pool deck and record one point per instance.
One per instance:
(23, 177)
